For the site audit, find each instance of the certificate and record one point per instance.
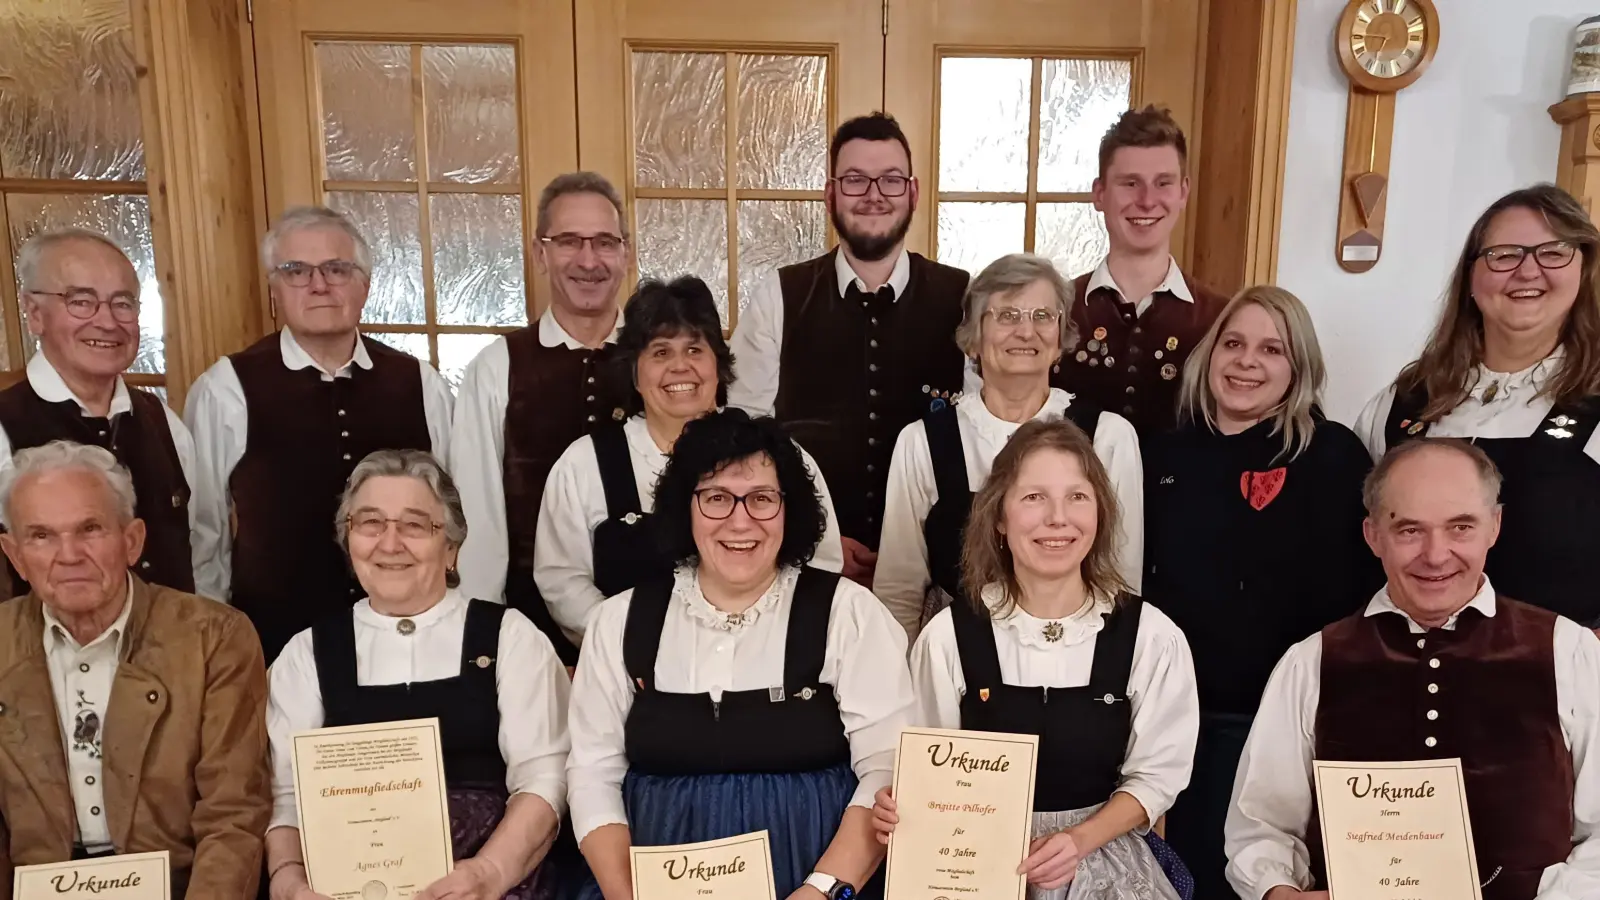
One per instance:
(736, 868)
(1396, 830)
(374, 820)
(137, 876)
(965, 800)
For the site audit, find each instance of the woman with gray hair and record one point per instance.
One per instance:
(1014, 329)
(416, 647)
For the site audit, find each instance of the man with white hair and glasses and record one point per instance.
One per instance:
(281, 424)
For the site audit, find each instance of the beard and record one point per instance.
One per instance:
(871, 247)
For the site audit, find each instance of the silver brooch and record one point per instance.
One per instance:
(1053, 631)
(405, 626)
(631, 518)
(1563, 421)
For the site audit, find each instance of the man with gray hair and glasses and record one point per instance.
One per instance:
(281, 424)
(80, 295)
(132, 716)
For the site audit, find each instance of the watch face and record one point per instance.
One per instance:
(844, 892)
(1388, 37)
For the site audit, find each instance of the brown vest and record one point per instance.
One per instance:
(304, 438)
(142, 441)
(855, 370)
(1496, 705)
(1133, 364)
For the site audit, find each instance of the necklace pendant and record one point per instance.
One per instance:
(735, 619)
(405, 626)
(1053, 631)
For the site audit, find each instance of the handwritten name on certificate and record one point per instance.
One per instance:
(1396, 830)
(965, 800)
(374, 821)
(736, 868)
(137, 876)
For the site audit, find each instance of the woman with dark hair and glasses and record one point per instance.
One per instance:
(744, 691)
(1514, 364)
(596, 532)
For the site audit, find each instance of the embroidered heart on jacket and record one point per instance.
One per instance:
(1261, 488)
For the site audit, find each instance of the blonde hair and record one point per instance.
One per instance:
(1292, 417)
(1007, 275)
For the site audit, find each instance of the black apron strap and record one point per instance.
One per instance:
(1403, 424)
(641, 635)
(333, 646)
(806, 642)
(1570, 424)
(1113, 649)
(980, 660)
(616, 472)
(1083, 414)
(480, 640)
(945, 451)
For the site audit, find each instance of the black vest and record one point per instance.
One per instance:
(627, 550)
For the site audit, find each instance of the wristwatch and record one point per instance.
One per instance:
(831, 887)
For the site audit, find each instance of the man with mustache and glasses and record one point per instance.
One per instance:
(530, 394)
(80, 294)
(281, 424)
(848, 348)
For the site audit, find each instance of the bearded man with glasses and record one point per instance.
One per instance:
(282, 424)
(80, 295)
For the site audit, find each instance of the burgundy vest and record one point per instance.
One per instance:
(1494, 692)
(1133, 364)
(855, 370)
(142, 441)
(305, 437)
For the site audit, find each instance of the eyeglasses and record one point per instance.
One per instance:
(858, 185)
(336, 272)
(569, 243)
(411, 528)
(1011, 317)
(1549, 255)
(83, 303)
(716, 503)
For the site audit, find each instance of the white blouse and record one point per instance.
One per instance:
(531, 684)
(1161, 686)
(701, 651)
(902, 578)
(574, 505)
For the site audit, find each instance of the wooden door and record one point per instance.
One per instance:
(1005, 101)
(714, 116)
(434, 125)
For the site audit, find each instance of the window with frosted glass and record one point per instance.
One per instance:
(421, 147)
(1018, 152)
(72, 154)
(730, 155)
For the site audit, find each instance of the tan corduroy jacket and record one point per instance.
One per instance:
(186, 756)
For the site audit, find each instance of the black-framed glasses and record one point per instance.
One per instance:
(854, 185)
(1011, 316)
(373, 525)
(716, 503)
(603, 244)
(1549, 255)
(336, 272)
(84, 303)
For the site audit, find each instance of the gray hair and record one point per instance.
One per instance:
(1378, 479)
(418, 464)
(61, 455)
(306, 218)
(33, 251)
(578, 183)
(1007, 275)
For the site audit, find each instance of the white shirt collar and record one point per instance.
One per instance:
(551, 334)
(48, 384)
(113, 633)
(1520, 386)
(898, 278)
(1483, 602)
(295, 357)
(1174, 283)
(452, 601)
(975, 411)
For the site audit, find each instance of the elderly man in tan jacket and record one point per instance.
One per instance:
(132, 717)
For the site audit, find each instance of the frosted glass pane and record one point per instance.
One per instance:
(471, 95)
(972, 235)
(126, 220)
(783, 122)
(69, 101)
(685, 237)
(369, 130)
(983, 124)
(390, 224)
(477, 259)
(456, 350)
(775, 233)
(407, 342)
(679, 120)
(1072, 235)
(1078, 100)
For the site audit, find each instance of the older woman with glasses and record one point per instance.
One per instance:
(414, 648)
(1514, 364)
(596, 535)
(1014, 329)
(746, 690)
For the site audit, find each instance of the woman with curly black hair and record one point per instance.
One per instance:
(596, 534)
(746, 690)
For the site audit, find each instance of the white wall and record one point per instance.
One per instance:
(1472, 128)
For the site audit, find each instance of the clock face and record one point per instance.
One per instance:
(1389, 37)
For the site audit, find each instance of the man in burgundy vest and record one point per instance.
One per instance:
(81, 297)
(850, 347)
(530, 394)
(283, 422)
(1437, 666)
(1137, 314)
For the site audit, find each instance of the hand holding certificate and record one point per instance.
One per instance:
(136, 876)
(736, 868)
